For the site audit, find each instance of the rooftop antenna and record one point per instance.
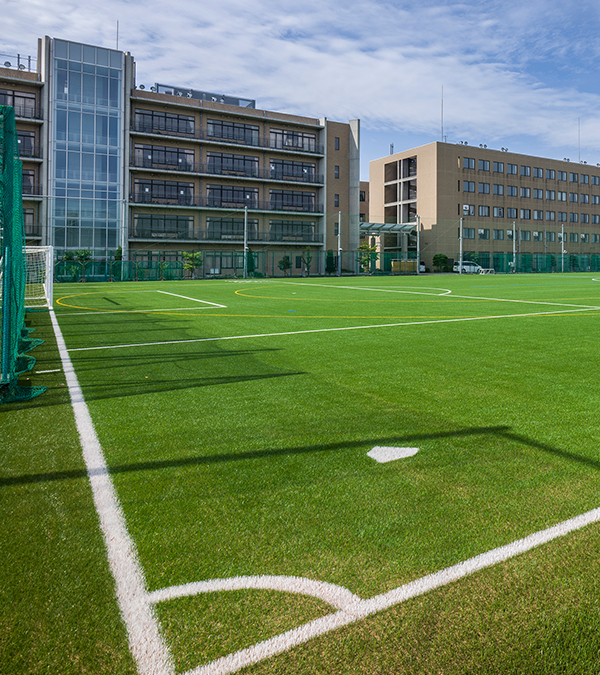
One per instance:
(442, 114)
(117, 35)
(579, 139)
(391, 148)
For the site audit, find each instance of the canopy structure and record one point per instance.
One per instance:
(387, 228)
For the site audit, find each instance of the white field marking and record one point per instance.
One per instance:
(185, 297)
(445, 291)
(42, 372)
(449, 292)
(330, 330)
(336, 596)
(145, 642)
(382, 453)
(360, 609)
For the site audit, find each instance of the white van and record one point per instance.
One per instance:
(468, 267)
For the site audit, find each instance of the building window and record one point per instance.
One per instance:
(337, 143)
(510, 235)
(484, 188)
(164, 123)
(538, 173)
(498, 167)
(585, 238)
(573, 217)
(525, 170)
(483, 234)
(550, 215)
(525, 235)
(562, 175)
(538, 194)
(468, 233)
(484, 165)
(498, 212)
(573, 237)
(512, 169)
(550, 195)
(525, 192)
(285, 169)
(573, 197)
(147, 226)
(468, 162)
(336, 171)
(234, 196)
(595, 180)
(584, 199)
(160, 157)
(163, 192)
(468, 186)
(499, 235)
(511, 213)
(595, 238)
(511, 190)
(538, 215)
(296, 140)
(362, 196)
(562, 217)
(595, 220)
(573, 177)
(290, 200)
(484, 212)
(292, 230)
(468, 209)
(538, 235)
(585, 218)
(525, 214)
(336, 200)
(550, 236)
(24, 104)
(585, 178)
(498, 189)
(550, 174)
(595, 199)
(562, 196)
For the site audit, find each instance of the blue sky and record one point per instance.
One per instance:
(514, 74)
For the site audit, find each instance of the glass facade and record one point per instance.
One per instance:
(86, 146)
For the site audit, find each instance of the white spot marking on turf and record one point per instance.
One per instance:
(382, 453)
(334, 595)
(145, 642)
(333, 330)
(185, 297)
(42, 372)
(360, 609)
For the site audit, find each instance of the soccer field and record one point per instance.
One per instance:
(226, 428)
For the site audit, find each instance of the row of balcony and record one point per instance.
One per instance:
(252, 140)
(27, 151)
(28, 112)
(242, 172)
(220, 203)
(217, 235)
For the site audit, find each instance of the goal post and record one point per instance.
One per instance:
(39, 266)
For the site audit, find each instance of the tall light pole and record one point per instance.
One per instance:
(339, 238)
(419, 245)
(514, 247)
(460, 255)
(562, 247)
(245, 242)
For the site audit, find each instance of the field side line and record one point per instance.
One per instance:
(363, 608)
(145, 642)
(328, 330)
(185, 297)
(131, 311)
(447, 293)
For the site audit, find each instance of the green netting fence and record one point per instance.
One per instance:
(14, 336)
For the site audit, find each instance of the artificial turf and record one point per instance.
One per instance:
(248, 456)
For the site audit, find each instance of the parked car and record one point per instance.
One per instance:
(468, 267)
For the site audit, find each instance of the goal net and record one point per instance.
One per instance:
(39, 262)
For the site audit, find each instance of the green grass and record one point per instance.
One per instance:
(248, 457)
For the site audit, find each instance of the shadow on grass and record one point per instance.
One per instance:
(157, 465)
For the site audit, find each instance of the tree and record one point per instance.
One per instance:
(119, 253)
(84, 256)
(192, 260)
(367, 256)
(330, 266)
(306, 260)
(285, 264)
(440, 261)
(251, 263)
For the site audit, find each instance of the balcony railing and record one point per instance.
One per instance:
(30, 151)
(32, 190)
(211, 169)
(246, 139)
(28, 112)
(33, 230)
(215, 234)
(220, 203)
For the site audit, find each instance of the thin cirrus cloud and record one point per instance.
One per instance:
(508, 69)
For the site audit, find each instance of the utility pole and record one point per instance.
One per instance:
(339, 238)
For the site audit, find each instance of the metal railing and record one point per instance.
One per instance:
(220, 203)
(30, 152)
(217, 235)
(245, 140)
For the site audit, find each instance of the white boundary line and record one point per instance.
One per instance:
(360, 609)
(185, 297)
(145, 642)
(331, 330)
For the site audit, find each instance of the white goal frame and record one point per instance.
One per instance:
(39, 264)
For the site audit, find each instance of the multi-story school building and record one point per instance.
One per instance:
(109, 162)
(509, 204)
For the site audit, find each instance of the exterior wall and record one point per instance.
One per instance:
(457, 181)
